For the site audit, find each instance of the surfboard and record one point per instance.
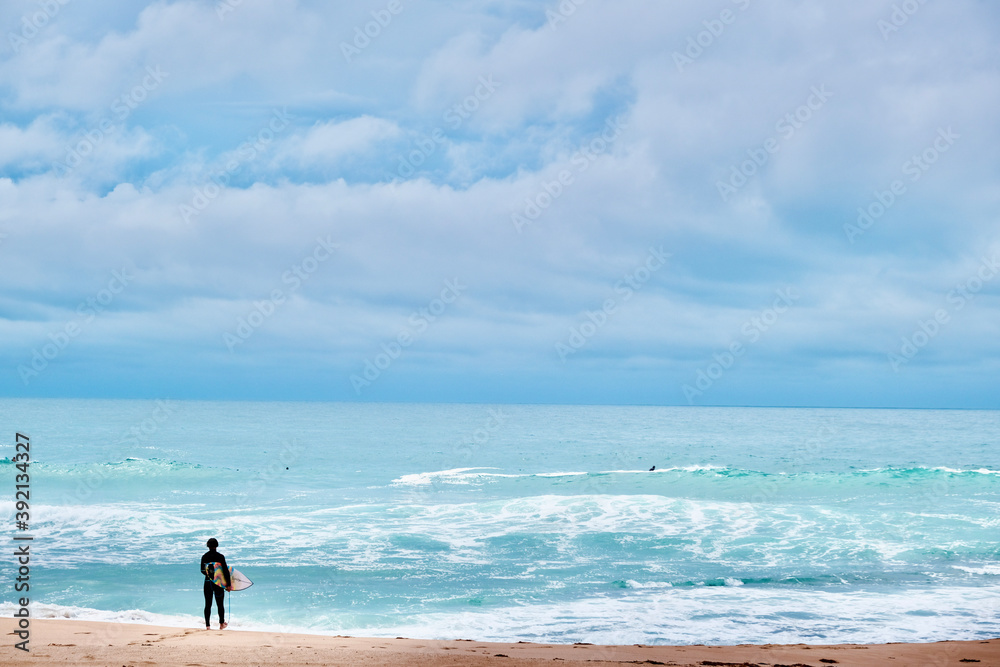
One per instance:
(239, 580)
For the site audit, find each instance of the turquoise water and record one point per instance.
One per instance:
(532, 523)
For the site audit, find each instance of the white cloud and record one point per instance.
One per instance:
(324, 174)
(30, 147)
(326, 143)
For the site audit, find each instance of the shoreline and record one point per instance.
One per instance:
(64, 642)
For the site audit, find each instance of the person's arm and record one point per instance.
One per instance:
(225, 571)
(203, 566)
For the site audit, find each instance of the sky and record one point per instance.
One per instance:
(732, 202)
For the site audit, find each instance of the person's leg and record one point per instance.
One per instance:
(220, 598)
(208, 603)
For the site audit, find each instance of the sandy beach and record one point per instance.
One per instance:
(62, 642)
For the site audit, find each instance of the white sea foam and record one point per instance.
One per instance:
(947, 469)
(454, 476)
(691, 468)
(652, 614)
(632, 583)
(738, 615)
(368, 536)
(986, 569)
(41, 610)
(469, 475)
(966, 471)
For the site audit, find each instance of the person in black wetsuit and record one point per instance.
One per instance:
(208, 561)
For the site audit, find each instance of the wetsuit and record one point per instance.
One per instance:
(210, 587)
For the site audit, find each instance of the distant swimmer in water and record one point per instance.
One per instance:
(652, 469)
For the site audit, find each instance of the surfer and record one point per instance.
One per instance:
(211, 562)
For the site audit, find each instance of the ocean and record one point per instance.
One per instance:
(517, 522)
